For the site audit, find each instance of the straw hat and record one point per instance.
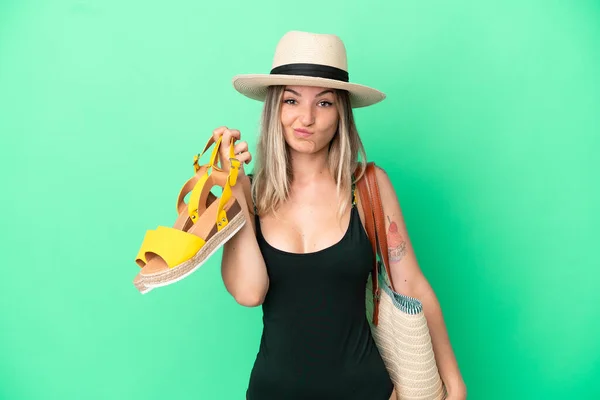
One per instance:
(308, 59)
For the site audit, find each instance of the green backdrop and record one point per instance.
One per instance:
(490, 134)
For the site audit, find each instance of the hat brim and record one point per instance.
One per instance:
(255, 86)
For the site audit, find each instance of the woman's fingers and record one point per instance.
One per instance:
(242, 153)
(240, 147)
(244, 157)
(218, 132)
(228, 134)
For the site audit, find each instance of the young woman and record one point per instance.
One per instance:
(304, 254)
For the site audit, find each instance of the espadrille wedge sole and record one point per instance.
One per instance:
(183, 270)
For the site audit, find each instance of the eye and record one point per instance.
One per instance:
(289, 101)
(325, 103)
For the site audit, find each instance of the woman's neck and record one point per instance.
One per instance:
(308, 168)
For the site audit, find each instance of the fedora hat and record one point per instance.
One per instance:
(308, 59)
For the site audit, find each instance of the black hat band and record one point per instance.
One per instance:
(314, 70)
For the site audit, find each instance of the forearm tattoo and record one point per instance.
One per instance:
(396, 243)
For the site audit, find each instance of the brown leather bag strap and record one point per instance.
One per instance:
(379, 222)
(367, 206)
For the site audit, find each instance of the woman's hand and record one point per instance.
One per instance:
(240, 149)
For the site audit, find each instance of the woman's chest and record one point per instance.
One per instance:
(345, 259)
(305, 229)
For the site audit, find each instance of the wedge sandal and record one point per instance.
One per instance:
(184, 220)
(172, 254)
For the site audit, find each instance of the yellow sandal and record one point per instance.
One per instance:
(172, 254)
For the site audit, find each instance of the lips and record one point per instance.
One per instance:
(304, 133)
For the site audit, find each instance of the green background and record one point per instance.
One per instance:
(490, 134)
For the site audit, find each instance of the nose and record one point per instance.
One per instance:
(307, 116)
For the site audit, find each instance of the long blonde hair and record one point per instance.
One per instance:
(272, 172)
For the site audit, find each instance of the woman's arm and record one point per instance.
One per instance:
(242, 267)
(409, 280)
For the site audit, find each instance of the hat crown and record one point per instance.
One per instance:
(298, 47)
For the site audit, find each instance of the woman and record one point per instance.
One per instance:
(304, 254)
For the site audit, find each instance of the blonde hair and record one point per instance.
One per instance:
(272, 172)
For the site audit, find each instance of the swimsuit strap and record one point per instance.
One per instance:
(353, 192)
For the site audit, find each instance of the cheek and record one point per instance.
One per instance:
(287, 116)
(329, 120)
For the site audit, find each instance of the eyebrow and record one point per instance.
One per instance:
(320, 94)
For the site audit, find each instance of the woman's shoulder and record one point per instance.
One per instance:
(381, 175)
(383, 180)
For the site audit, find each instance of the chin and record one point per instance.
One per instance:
(304, 147)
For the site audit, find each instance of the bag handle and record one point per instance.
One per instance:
(365, 200)
(380, 224)
(375, 226)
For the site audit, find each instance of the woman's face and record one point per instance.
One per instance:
(309, 117)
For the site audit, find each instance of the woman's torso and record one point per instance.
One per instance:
(316, 341)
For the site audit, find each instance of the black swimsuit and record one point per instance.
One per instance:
(316, 341)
